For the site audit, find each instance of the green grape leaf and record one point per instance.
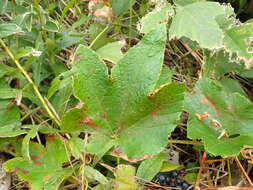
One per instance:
(239, 40)
(7, 93)
(192, 21)
(124, 105)
(219, 63)
(26, 141)
(44, 170)
(221, 118)
(76, 146)
(153, 19)
(158, 122)
(165, 77)
(119, 7)
(125, 178)
(51, 26)
(9, 119)
(150, 167)
(111, 51)
(7, 29)
(99, 144)
(94, 174)
(183, 3)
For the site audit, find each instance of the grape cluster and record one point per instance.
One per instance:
(173, 179)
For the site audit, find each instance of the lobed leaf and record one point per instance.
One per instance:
(238, 39)
(44, 171)
(124, 106)
(150, 167)
(220, 118)
(155, 18)
(192, 21)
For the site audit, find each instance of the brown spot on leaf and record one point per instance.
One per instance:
(103, 115)
(118, 153)
(77, 57)
(203, 116)
(25, 172)
(90, 70)
(154, 113)
(46, 178)
(230, 108)
(16, 170)
(210, 103)
(215, 124)
(34, 158)
(87, 121)
(37, 163)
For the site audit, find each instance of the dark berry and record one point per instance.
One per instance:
(185, 186)
(182, 172)
(179, 186)
(178, 181)
(167, 180)
(174, 174)
(161, 178)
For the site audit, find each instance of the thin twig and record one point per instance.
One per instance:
(243, 171)
(28, 78)
(185, 142)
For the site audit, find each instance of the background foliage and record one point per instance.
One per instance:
(93, 93)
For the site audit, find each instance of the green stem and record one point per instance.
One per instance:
(14, 7)
(28, 78)
(42, 23)
(229, 173)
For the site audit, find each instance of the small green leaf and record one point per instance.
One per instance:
(76, 145)
(232, 86)
(9, 119)
(167, 167)
(119, 7)
(238, 39)
(111, 51)
(60, 82)
(125, 178)
(72, 120)
(83, 19)
(44, 171)
(3, 5)
(164, 78)
(51, 26)
(191, 177)
(218, 63)
(7, 93)
(150, 167)
(7, 29)
(26, 141)
(28, 51)
(99, 144)
(95, 174)
(153, 19)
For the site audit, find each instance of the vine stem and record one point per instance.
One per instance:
(28, 78)
(42, 23)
